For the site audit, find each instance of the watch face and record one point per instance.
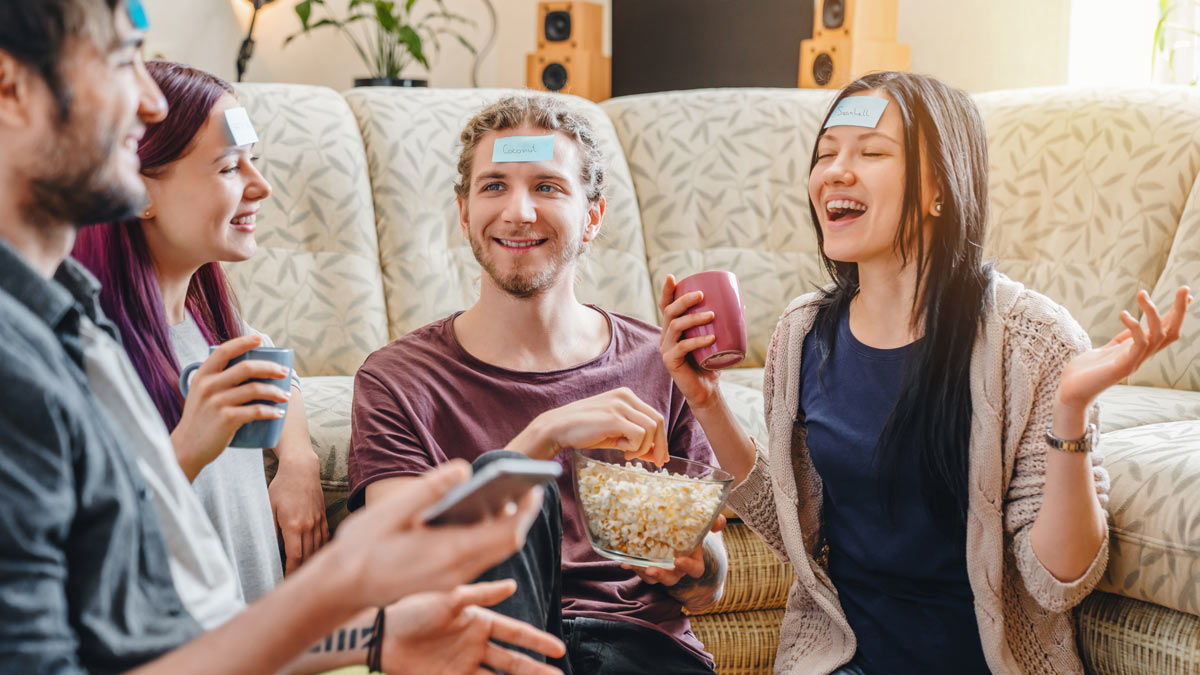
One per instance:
(1074, 445)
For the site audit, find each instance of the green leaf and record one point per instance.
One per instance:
(383, 12)
(451, 17)
(412, 40)
(304, 10)
(463, 41)
(408, 6)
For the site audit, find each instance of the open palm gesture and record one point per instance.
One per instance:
(1090, 373)
(451, 633)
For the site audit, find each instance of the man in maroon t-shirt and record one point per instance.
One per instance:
(530, 369)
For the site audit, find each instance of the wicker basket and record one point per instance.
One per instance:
(1123, 636)
(756, 579)
(742, 643)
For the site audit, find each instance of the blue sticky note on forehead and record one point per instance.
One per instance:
(137, 14)
(524, 149)
(857, 111)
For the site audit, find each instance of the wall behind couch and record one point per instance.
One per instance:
(978, 45)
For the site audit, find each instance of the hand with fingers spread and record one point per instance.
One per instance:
(215, 405)
(614, 419)
(1090, 373)
(697, 384)
(452, 633)
(698, 576)
(386, 552)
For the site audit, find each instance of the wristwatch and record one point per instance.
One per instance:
(1079, 445)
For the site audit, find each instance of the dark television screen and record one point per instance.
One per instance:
(660, 45)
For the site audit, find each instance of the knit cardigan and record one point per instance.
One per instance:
(1022, 609)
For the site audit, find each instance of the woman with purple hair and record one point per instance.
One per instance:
(164, 289)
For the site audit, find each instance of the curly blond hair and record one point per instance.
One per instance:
(544, 112)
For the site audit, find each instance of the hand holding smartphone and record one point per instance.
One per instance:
(496, 485)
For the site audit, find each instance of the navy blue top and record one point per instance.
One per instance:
(902, 583)
(85, 582)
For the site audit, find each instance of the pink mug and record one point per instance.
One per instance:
(723, 298)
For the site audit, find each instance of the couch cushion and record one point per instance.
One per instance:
(1086, 191)
(743, 393)
(314, 284)
(1179, 365)
(1155, 526)
(1125, 407)
(412, 144)
(722, 180)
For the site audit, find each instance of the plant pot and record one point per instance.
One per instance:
(389, 82)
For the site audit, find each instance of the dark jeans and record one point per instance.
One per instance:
(597, 647)
(594, 647)
(536, 568)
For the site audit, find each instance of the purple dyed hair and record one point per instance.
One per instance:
(118, 255)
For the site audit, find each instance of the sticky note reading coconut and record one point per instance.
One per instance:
(241, 130)
(523, 149)
(857, 111)
(137, 14)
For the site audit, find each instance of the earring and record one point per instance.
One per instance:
(146, 214)
(937, 208)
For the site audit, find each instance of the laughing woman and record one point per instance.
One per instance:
(164, 289)
(929, 476)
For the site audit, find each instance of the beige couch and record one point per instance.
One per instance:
(1094, 194)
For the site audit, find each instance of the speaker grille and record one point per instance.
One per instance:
(822, 69)
(557, 27)
(554, 77)
(833, 13)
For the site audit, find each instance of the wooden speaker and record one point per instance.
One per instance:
(857, 19)
(581, 73)
(569, 57)
(850, 38)
(833, 63)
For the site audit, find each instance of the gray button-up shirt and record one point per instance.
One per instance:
(85, 584)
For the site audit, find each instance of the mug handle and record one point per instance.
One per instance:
(185, 377)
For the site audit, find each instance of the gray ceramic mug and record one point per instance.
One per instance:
(259, 433)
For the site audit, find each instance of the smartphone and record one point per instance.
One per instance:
(497, 484)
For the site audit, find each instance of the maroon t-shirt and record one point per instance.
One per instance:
(422, 400)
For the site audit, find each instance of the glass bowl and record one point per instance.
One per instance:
(641, 514)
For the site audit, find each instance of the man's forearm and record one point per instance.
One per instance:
(266, 637)
(346, 646)
(698, 593)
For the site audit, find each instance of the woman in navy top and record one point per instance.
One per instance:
(885, 416)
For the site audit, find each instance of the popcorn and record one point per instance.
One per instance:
(634, 511)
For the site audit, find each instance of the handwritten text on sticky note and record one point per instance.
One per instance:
(523, 149)
(857, 111)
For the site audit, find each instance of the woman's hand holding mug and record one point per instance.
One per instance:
(702, 316)
(214, 405)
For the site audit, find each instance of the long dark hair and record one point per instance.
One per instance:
(931, 420)
(117, 253)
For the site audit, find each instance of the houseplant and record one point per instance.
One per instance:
(387, 35)
(1175, 32)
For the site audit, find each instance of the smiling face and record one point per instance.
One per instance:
(85, 166)
(857, 188)
(528, 222)
(203, 205)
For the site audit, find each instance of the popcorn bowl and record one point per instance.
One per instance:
(641, 514)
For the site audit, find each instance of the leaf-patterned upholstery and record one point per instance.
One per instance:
(1094, 194)
(314, 284)
(722, 182)
(1087, 189)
